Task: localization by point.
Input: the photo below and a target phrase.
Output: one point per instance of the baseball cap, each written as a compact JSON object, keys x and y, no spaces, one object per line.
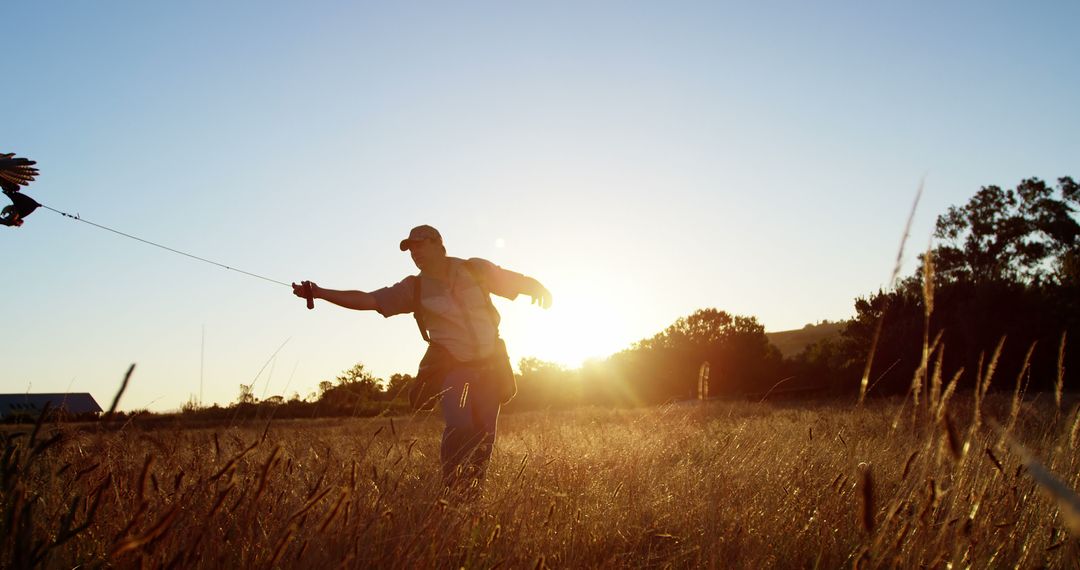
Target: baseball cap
{"x":420,"y":233}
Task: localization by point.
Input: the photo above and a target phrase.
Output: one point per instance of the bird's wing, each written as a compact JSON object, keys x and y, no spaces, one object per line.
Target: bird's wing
{"x":15,"y":172}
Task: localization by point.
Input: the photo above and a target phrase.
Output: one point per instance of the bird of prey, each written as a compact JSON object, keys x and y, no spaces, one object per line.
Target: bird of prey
{"x":16,"y":172}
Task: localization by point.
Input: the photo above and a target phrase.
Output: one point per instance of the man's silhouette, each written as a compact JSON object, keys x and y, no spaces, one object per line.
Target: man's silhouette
{"x":466,"y":361}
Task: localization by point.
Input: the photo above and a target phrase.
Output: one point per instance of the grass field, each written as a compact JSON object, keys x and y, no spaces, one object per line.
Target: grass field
{"x":717,"y":485}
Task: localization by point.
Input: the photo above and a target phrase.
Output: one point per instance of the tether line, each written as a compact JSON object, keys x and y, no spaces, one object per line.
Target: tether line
{"x":166,"y":248}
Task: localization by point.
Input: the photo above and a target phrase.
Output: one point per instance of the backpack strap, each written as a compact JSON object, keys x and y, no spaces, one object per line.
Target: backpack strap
{"x":417,"y":309}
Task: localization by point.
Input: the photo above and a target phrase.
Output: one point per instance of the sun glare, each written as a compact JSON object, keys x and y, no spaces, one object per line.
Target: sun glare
{"x":578,"y":327}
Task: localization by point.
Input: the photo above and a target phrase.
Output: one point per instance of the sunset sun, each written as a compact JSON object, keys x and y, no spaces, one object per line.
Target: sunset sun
{"x":580,"y":325}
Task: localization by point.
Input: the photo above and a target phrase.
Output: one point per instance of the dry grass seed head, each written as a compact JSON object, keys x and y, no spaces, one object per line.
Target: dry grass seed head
{"x":1059,"y":384}
{"x":908,"y":464}
{"x":928,"y":281}
{"x":952,"y":439}
{"x":993,"y":459}
{"x":1018,"y":394}
{"x":866,"y":503}
{"x":934,"y":398}
{"x":992,"y":366}
{"x":1075,"y":431}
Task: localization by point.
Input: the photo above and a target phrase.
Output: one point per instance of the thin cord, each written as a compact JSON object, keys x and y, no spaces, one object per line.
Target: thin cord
{"x":203,"y":259}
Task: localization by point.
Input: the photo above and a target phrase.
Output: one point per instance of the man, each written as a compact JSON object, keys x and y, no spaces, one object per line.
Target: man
{"x":466,"y":360}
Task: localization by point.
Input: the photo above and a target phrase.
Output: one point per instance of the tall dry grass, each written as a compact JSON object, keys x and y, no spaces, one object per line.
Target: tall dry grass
{"x":716,"y":485}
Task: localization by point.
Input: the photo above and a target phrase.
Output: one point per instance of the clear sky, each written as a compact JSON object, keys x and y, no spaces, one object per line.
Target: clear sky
{"x":642,"y":159}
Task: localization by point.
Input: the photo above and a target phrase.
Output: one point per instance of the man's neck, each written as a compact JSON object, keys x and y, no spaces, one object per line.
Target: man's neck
{"x":438,"y":270}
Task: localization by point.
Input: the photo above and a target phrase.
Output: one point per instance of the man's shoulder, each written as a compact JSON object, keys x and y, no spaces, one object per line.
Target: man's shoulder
{"x":478,"y":263}
{"x":404,"y":287}
{"x":474,"y":265}
{"x":397,"y":298}
{"x":469,"y":261}
{"x":407,"y":281}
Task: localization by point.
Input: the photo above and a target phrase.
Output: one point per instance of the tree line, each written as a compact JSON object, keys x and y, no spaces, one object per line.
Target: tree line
{"x":1001,"y":285}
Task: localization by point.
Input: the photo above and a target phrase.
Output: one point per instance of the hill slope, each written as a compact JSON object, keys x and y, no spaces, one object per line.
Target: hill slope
{"x":793,"y":342}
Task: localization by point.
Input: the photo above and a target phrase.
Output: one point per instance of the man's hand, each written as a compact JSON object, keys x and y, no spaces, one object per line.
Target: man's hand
{"x":306,"y":290}
{"x":540,"y":295}
{"x":298,"y":288}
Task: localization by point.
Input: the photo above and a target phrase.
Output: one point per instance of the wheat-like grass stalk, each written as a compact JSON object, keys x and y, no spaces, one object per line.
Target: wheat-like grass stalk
{"x":934,"y":397}
{"x":950,"y":389}
{"x":919,"y":379}
{"x":992,"y":366}
{"x":928,"y":310}
{"x":866,"y":496}
{"x":982,"y":385}
{"x":952,"y":439}
{"x":928,"y":281}
{"x":995,"y":461}
{"x":1074,"y":433}
{"x":1060,"y":383}
{"x":1018,"y":394}
{"x":865,"y":381}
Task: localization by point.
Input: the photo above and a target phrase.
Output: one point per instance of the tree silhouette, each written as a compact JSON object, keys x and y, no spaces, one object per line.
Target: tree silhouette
{"x":397,"y":388}
{"x":702,"y":329}
{"x":1006,"y":266}
{"x":666,"y":366}
{"x":354,"y":390}
{"x":1024,"y":235}
{"x":246,"y":396}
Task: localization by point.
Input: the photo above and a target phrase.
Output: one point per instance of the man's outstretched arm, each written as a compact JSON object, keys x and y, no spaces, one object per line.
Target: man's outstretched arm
{"x":356,"y":300}
{"x":510,"y":284}
{"x":540,"y":295}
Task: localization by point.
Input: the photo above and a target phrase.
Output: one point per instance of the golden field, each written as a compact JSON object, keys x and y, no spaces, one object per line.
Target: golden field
{"x":715,"y":485}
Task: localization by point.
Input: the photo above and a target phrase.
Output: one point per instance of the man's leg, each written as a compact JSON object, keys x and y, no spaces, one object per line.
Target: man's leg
{"x":460,"y":437}
{"x":485,"y":415}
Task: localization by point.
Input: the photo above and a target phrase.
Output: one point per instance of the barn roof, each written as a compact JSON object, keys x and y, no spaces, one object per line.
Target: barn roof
{"x":33,"y":404}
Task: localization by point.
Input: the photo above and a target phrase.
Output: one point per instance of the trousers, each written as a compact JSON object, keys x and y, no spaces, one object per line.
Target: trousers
{"x":470,"y":407}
